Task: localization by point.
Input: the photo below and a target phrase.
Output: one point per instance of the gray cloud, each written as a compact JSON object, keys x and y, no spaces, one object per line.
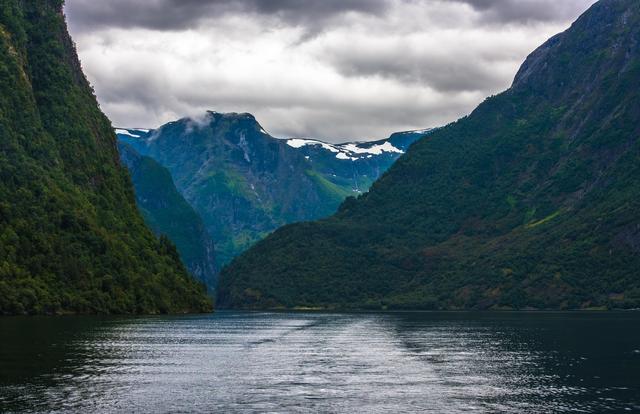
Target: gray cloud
{"x":448,"y":73}
{"x":525,"y":11}
{"x":182,"y":14}
{"x":372,"y":67}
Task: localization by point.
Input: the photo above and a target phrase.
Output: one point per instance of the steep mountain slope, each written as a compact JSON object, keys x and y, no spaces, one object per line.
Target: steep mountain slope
{"x":245,"y":183}
{"x":71,"y":239}
{"x":169,"y":214}
{"x":531,"y":201}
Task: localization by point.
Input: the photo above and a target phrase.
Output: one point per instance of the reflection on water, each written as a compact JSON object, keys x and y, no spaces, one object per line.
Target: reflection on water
{"x":297,"y":362}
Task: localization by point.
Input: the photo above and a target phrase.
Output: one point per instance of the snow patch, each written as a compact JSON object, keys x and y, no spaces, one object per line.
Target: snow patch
{"x":126,"y":132}
{"x":375,"y":150}
{"x":343,"y":156}
{"x":299,"y":143}
{"x":244,"y":145}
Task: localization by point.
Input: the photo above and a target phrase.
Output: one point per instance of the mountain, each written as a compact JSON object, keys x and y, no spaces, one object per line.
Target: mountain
{"x":244,"y":183}
{"x":71,"y":238}
{"x":531,"y":201}
{"x":168,"y":213}
{"x":354,"y":166}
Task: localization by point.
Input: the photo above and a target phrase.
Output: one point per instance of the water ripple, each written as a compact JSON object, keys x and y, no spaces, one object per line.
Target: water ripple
{"x":344,"y":363}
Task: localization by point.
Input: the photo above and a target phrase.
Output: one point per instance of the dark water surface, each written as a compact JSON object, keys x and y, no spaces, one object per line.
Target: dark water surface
{"x":306,"y":362}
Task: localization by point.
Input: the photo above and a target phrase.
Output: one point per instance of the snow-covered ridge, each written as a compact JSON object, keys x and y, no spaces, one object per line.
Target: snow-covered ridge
{"x":350,"y":151}
{"x":132,"y":132}
{"x":375,"y":149}
{"x":299,"y":143}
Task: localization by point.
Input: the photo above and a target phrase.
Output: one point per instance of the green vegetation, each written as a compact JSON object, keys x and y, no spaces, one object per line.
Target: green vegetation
{"x":333,"y":193}
{"x":71,"y":239}
{"x":168,"y":213}
{"x":532,"y":201}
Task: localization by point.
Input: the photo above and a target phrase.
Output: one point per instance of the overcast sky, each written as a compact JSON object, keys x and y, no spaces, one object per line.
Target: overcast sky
{"x":331,"y":69}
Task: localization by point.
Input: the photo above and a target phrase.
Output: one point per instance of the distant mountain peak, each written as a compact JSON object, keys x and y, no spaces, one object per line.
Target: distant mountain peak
{"x":227,"y":116}
{"x":210,"y":120}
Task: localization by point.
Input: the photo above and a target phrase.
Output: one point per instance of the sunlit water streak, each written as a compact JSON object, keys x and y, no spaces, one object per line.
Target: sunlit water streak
{"x":345,"y":363}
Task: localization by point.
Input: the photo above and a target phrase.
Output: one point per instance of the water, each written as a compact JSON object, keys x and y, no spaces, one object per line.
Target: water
{"x":305,"y":362}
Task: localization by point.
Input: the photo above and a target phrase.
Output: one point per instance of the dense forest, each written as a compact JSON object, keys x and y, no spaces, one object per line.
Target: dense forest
{"x":71,"y":238}
{"x":530,"y":202}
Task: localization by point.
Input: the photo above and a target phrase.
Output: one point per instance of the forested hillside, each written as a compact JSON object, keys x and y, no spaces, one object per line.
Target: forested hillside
{"x":71,"y":238}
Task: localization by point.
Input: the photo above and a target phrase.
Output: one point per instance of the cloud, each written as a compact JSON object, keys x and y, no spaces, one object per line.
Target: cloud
{"x":448,"y":62}
{"x":370,"y":67}
{"x":184,"y":14}
{"x":526,"y":11}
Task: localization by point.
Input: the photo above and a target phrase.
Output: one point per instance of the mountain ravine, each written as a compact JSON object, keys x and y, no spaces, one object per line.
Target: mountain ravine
{"x":168,"y":213}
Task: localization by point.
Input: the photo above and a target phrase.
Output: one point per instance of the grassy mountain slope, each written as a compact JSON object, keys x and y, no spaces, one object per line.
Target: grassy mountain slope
{"x":71,"y":239}
{"x":532,"y":201}
{"x":169,"y":214}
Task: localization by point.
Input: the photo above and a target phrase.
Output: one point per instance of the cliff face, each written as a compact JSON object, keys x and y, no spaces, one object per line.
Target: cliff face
{"x":532,"y":201}
{"x":71,"y":239}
